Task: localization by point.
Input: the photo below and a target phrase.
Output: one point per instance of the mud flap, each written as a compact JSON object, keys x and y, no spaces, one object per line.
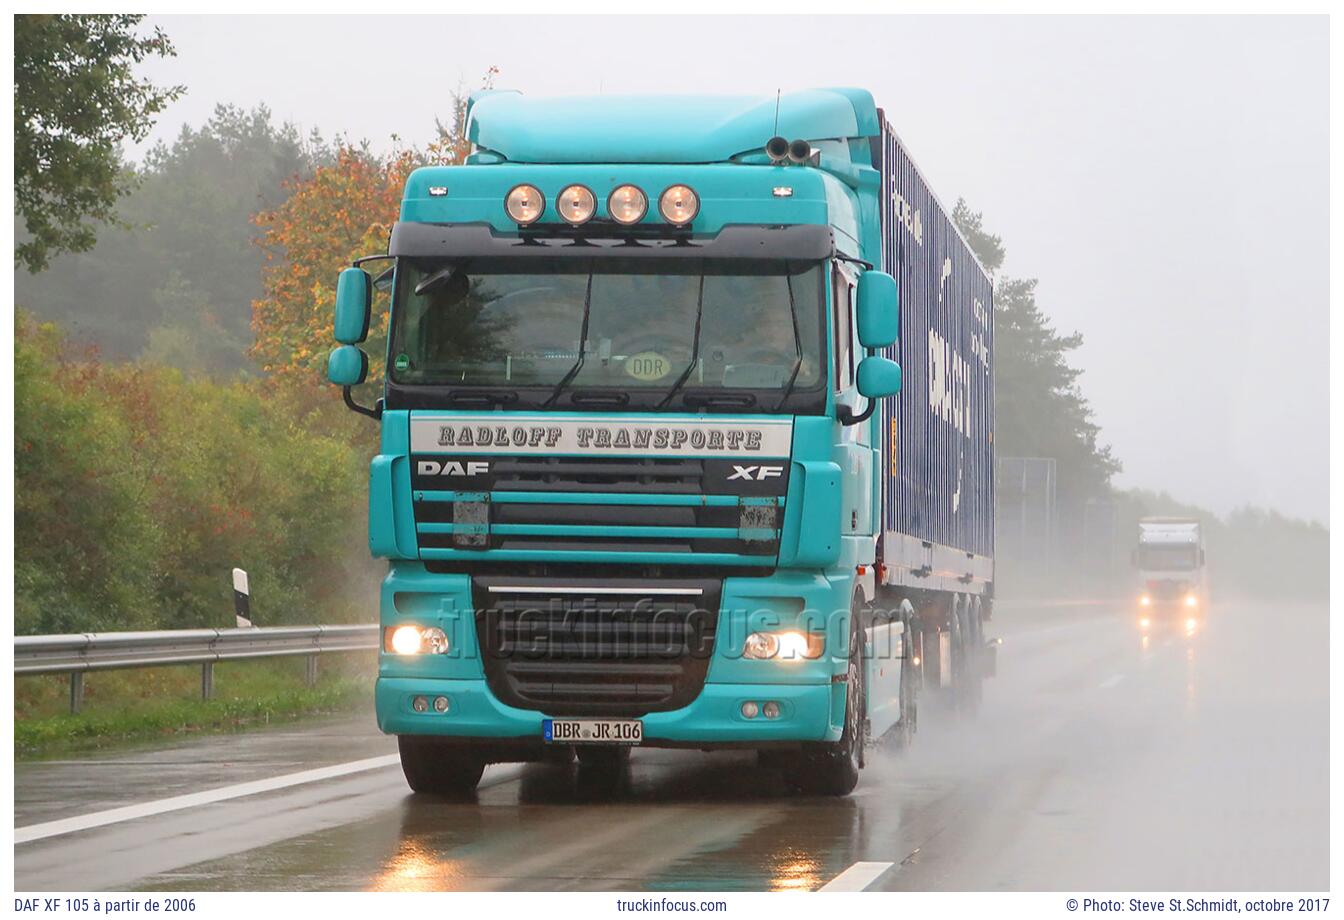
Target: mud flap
{"x":991,"y":657}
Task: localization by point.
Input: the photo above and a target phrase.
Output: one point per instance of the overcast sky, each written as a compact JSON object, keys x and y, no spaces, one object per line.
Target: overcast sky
{"x":1165,"y":178}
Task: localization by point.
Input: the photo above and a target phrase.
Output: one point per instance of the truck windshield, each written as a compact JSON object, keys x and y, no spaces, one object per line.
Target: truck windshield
{"x":1168,"y":558}
{"x":518,"y":323}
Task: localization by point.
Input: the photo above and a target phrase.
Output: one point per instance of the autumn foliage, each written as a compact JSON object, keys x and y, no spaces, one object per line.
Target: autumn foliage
{"x":344,"y":211}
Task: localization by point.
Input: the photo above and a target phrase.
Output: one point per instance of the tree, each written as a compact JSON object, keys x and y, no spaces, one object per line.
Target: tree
{"x":76,"y":100}
{"x":176,"y":279}
{"x":343,"y":211}
{"x":1039,"y":408}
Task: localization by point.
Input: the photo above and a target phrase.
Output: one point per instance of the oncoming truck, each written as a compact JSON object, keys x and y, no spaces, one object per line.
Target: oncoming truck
{"x":686,"y":438}
{"x":1173,"y":584}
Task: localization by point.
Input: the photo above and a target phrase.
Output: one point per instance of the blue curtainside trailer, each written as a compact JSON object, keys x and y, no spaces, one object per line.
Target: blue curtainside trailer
{"x":686,"y":438}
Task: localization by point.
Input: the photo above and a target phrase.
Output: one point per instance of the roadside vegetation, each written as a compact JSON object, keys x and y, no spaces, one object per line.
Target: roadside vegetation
{"x":153,"y":704}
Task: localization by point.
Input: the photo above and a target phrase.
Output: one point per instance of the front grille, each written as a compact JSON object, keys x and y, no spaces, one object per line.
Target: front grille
{"x":618,"y":648}
{"x":582,"y":474}
{"x":597,"y":504}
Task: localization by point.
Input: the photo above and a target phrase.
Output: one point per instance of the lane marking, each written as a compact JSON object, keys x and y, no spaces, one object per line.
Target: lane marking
{"x":857,"y":877}
{"x":176,"y":803}
{"x":1111,"y":681}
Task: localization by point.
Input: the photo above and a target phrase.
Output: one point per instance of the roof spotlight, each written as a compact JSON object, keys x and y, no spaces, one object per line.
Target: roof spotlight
{"x":577,"y":204}
{"x":524,"y":204}
{"x":679,"y":204}
{"x":628,"y":204}
{"x":777,"y":148}
{"x":799,"y":151}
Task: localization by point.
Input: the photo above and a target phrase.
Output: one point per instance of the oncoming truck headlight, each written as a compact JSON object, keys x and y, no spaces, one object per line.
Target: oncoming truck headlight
{"x":792,"y":645}
{"x":409,"y":639}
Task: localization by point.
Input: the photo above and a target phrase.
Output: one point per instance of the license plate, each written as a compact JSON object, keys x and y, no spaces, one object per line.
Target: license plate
{"x":593,"y":731}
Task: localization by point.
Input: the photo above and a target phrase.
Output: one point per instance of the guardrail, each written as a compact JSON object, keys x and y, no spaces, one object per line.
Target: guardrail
{"x":80,"y":653}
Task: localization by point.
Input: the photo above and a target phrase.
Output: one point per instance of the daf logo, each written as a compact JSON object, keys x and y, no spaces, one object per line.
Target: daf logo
{"x":756,"y":473}
{"x":452,"y":468}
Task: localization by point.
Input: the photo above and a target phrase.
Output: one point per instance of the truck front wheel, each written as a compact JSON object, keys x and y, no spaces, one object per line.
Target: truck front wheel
{"x":436,"y":767}
{"x":833,"y":768}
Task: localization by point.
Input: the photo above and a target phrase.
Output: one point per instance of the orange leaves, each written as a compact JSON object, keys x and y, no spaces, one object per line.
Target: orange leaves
{"x":338,"y":214}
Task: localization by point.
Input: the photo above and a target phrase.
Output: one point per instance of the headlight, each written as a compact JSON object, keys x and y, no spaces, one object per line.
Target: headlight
{"x":414,"y":640}
{"x":679,"y":204}
{"x":576,"y":204}
{"x":1191,"y":600}
{"x":525,"y":203}
{"x":628,"y":205}
{"x":787,"y":646}
{"x":1145,"y":601}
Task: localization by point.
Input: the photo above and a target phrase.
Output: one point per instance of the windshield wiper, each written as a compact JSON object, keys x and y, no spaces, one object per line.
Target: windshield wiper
{"x":583,"y":347}
{"x":797,"y":342}
{"x":695,"y":347}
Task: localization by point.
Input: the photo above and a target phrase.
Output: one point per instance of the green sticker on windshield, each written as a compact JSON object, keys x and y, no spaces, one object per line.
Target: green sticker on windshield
{"x":403,"y":361}
{"x":648,"y":365}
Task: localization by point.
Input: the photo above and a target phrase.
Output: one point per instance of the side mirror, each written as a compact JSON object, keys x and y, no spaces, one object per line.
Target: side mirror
{"x":347,"y":366}
{"x":878,"y":377}
{"x":878,"y":310}
{"x":354,"y":303}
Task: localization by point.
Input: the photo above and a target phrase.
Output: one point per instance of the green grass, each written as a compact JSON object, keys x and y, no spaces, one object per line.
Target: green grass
{"x":139,"y":705}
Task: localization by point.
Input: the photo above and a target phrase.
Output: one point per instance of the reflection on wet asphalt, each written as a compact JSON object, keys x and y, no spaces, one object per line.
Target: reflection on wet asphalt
{"x":1101,"y":759}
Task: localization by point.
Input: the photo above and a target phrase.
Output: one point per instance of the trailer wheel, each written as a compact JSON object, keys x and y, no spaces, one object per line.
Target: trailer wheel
{"x":966,"y":658}
{"x":434,"y":767}
{"x":832,"y":768}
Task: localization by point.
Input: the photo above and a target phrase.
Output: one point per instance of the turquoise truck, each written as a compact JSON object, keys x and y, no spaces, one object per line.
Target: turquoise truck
{"x":686,"y":439}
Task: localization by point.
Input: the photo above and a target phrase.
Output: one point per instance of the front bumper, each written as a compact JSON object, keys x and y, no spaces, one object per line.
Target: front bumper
{"x":808,"y":712}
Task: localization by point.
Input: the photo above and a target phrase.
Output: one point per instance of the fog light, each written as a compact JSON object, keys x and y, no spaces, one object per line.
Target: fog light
{"x":440,"y":704}
{"x":679,"y":204}
{"x":576,"y":204}
{"x":525,"y":204}
{"x":628,"y":205}
{"x":420,"y":704}
{"x":749,"y":710}
{"x":771,"y":710}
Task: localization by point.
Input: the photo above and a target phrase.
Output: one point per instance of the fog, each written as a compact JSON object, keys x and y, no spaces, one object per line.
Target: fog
{"x":1166,"y":178}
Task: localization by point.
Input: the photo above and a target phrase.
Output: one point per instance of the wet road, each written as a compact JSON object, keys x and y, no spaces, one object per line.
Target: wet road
{"x":1099,"y":761}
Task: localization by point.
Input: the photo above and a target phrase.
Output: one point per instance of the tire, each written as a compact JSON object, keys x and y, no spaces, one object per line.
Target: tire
{"x":832,"y":768}
{"x":434,"y":767}
{"x":966,"y":676}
